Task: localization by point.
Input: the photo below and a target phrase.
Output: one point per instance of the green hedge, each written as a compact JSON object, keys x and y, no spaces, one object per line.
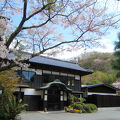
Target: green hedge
{"x":89,"y":108}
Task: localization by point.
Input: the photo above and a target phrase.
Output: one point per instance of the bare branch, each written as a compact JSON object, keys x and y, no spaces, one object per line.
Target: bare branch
{"x":61,"y":43}
{"x":3,"y":6}
{"x":19,"y":28}
{"x":42,"y":24}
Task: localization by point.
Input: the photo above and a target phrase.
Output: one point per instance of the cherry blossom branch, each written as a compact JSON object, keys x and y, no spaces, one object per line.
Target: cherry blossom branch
{"x":19,"y":28}
{"x":61,"y":43}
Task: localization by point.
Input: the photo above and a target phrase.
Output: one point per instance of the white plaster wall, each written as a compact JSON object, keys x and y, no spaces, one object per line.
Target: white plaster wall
{"x":63,"y":74}
{"x":77,"y":77}
{"x":38,"y":72}
{"x":55,"y":73}
{"x":28,"y":91}
{"x":31,"y":92}
{"x":71,"y":75}
{"x":47,"y":71}
{"x":28,"y":69}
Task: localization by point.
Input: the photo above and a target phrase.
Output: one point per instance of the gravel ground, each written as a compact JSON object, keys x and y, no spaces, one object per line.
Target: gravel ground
{"x":102,"y":114}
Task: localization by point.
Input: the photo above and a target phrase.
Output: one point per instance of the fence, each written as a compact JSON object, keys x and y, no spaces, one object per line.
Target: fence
{"x":104,"y":100}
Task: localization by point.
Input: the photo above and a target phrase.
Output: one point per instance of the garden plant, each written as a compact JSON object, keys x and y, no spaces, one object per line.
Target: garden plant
{"x":78,"y":106}
{"x":10,"y":108}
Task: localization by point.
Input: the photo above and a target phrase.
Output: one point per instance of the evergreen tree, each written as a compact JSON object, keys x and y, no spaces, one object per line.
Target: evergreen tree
{"x":116,"y":62}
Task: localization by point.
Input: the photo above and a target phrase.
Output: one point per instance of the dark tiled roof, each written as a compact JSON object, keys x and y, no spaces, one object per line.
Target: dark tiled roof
{"x":58,"y":63}
{"x":55,"y":62}
{"x":97,"y":85}
{"x":90,"y":86}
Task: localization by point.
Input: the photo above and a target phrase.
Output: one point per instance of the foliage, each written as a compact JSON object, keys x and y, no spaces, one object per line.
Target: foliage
{"x":8,"y":80}
{"x":81,"y":100}
{"x":9,"y":106}
{"x":92,"y":82}
{"x":100,"y":63}
{"x":81,"y":108}
{"x":89,"y":108}
{"x":70,"y":109}
{"x":96,"y":61}
{"x":116,"y":62}
{"x":76,"y":106}
{"x":73,"y":99}
{"x":98,"y":77}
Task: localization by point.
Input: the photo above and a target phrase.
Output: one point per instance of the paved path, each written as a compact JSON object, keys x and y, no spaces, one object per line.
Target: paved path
{"x":102,"y":114}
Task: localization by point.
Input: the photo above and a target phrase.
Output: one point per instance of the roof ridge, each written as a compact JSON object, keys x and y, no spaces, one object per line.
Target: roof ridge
{"x":50,"y":58}
{"x":57,"y":59}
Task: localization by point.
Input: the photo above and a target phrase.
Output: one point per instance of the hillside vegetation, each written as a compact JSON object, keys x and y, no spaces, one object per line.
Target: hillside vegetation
{"x":100,"y":63}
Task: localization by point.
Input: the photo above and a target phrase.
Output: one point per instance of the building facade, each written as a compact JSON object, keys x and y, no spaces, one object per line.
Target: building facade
{"x":48,"y":82}
{"x":102,"y":95}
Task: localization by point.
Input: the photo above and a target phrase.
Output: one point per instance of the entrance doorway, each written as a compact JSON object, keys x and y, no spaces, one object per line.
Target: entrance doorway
{"x":54,"y":98}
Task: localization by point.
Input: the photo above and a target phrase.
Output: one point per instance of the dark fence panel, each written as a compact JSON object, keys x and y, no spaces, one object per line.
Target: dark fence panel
{"x":104,"y":100}
{"x":34,"y":102}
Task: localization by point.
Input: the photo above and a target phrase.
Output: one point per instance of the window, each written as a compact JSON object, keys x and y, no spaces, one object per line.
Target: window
{"x":61,"y":96}
{"x":72,"y":82}
{"x":0,"y":91}
{"x":28,"y":75}
{"x":65,"y":96}
{"x":68,"y":82}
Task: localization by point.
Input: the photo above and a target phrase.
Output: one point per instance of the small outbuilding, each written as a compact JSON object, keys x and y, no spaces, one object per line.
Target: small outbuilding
{"x":103,"y":95}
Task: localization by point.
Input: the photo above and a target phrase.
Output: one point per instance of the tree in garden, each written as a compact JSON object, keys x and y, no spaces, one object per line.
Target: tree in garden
{"x":116,"y":62}
{"x":96,"y":61}
{"x":9,"y":107}
{"x":8,"y":80}
{"x":98,"y":77}
{"x":100,"y":63}
{"x":42,"y":25}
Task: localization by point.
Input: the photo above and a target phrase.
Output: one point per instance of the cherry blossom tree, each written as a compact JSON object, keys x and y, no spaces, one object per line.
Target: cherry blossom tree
{"x":42,"y":25}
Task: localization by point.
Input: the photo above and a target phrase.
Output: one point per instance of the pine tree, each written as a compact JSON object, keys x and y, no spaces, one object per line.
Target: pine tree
{"x":116,"y":62}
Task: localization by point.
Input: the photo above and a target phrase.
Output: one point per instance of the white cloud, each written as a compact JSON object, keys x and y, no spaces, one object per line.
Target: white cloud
{"x":107,"y":46}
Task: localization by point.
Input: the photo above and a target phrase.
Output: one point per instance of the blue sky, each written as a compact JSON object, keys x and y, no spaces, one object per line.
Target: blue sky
{"x":107,"y":40}
{"x":107,"y":43}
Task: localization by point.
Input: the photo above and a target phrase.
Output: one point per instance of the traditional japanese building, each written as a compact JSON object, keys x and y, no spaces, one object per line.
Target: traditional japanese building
{"x":102,"y":95}
{"x":48,"y":82}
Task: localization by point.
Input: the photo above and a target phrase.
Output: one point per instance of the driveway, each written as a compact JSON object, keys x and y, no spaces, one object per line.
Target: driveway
{"x":102,"y":114}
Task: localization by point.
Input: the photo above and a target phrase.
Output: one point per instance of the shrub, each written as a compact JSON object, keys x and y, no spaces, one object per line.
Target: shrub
{"x":9,"y":107}
{"x":89,"y":108}
{"x":77,"y":106}
{"x":81,"y":100}
{"x":92,"y":82}
{"x":81,"y":108}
